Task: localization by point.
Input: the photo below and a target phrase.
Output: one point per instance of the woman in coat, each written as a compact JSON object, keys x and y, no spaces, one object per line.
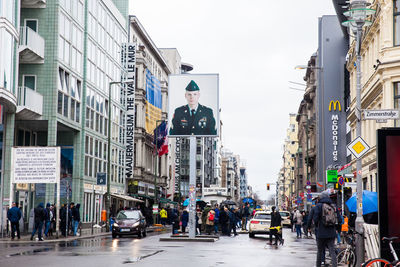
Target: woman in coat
{"x":298,"y":218}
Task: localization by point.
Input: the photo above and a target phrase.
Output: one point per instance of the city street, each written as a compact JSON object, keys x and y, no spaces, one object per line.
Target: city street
{"x":105,"y":251}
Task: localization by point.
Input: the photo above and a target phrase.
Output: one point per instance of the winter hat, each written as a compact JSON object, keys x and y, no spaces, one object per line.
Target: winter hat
{"x":324,"y":194}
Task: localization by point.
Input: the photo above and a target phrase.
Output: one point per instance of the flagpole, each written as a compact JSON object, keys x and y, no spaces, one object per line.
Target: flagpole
{"x":157,"y":158}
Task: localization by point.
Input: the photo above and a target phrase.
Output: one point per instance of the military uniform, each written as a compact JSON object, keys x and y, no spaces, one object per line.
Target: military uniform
{"x":202,"y":122}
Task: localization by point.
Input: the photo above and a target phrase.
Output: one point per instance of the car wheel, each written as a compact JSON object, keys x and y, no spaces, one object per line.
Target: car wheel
{"x":251,"y":235}
{"x":144,"y":233}
{"x":114,"y":235}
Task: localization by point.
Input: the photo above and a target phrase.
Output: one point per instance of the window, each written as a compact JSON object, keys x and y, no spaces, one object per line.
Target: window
{"x":396,"y":22}
{"x":30,"y":81}
{"x":32,"y":23}
{"x":396,"y":101}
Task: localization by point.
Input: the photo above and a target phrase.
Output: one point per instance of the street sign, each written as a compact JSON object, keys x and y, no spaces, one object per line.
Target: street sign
{"x":331,"y":176}
{"x":358,"y":147}
{"x":308,"y":187}
{"x":352,"y":185}
{"x":381,"y":114}
{"x":101,"y":178}
{"x":308,"y":182}
{"x":341,"y":180}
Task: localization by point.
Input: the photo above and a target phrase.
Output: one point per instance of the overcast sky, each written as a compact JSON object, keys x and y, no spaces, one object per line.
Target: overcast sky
{"x":254,"y":46}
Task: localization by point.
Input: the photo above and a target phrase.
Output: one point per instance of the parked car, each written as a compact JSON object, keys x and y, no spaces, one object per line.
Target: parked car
{"x":285,"y":215}
{"x":129,"y":222}
{"x":260,"y":223}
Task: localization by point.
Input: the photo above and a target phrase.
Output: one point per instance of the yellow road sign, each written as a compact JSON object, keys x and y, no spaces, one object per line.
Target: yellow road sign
{"x":358,"y":147}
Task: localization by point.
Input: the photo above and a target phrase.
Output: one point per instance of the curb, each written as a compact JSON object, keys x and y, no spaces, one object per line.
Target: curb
{"x":186,"y":239}
{"x":51,"y":240}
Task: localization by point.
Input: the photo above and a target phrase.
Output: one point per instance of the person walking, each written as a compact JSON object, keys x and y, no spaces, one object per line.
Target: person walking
{"x":238,"y":218}
{"x":14,"y":215}
{"x":275,"y":227}
{"x":216,"y":219}
{"x":326,"y":217}
{"x":76,"y":218}
{"x":199,"y":221}
{"x":163,"y":216}
{"x":232,"y":222}
{"x":210,"y":221}
{"x":49,"y":217}
{"x":40,"y":217}
{"x":184,"y":220}
{"x":304,"y":224}
{"x":298,"y":220}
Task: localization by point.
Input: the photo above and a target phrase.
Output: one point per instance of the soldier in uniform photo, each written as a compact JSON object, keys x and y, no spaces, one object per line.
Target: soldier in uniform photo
{"x":193,"y":118}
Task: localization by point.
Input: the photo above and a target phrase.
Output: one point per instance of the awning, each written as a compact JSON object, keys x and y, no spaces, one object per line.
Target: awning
{"x":127,"y":198}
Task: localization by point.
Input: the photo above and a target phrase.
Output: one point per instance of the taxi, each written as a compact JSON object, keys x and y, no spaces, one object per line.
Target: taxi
{"x":260,"y":223}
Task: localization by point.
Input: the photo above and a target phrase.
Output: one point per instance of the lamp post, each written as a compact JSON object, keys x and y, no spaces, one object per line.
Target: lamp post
{"x":357,"y":15}
{"x":108,"y":198}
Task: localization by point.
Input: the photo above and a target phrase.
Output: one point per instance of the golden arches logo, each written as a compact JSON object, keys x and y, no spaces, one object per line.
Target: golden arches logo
{"x":336,"y":105}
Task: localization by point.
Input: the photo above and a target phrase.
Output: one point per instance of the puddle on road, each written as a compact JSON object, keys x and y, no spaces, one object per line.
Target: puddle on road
{"x":29,"y":252}
{"x":136,"y":259}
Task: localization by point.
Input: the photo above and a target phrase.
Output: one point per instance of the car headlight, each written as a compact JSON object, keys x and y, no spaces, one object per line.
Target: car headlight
{"x":115,"y":225}
{"x":136,"y":224}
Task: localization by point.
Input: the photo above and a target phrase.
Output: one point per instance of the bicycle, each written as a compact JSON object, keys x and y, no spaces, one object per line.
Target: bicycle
{"x":380,"y":262}
{"x":348,"y":256}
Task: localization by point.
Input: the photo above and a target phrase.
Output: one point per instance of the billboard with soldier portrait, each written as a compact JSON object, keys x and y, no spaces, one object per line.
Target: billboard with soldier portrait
{"x":193,"y":105}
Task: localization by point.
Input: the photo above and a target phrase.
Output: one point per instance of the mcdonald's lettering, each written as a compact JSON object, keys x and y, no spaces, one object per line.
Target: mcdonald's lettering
{"x":336,"y":105}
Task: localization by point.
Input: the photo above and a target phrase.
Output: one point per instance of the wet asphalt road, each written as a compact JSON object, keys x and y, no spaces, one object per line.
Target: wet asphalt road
{"x":131,"y":251}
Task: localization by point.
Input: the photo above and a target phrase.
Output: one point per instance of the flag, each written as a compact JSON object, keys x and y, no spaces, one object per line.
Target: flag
{"x":161,"y":139}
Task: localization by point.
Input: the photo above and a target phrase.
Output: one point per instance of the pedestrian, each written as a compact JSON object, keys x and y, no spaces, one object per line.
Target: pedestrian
{"x":70,"y":228}
{"x":174,"y":220}
{"x":184,"y":220}
{"x":245,"y":216}
{"x":298,"y":220}
{"x":40,"y":217}
{"x":48,"y":219}
{"x":232,"y":222}
{"x":292,"y":224}
{"x":304,"y":224}
{"x":326,"y":217}
{"x":63,"y":220}
{"x":224,"y":220}
{"x":163,"y":216}
{"x":53,"y":220}
{"x":204,"y":216}
{"x":199,"y":222}
{"x":275,"y":227}
{"x":216,"y":219}
{"x":14,"y":215}
{"x":238,"y":218}
{"x":210,"y":221}
{"x":76,"y":218}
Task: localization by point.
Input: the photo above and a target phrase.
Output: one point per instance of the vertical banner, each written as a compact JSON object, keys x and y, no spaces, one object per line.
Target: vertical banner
{"x":128,"y":59}
{"x":153,"y":102}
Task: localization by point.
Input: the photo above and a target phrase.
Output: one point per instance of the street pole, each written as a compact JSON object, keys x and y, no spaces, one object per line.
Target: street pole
{"x":192,"y":188}
{"x":359,"y":219}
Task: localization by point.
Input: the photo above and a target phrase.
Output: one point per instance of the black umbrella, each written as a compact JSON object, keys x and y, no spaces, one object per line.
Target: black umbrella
{"x":201,"y":203}
{"x":228,"y":202}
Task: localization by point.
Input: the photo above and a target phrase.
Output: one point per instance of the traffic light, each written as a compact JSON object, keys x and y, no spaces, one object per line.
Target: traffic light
{"x":268,"y":187}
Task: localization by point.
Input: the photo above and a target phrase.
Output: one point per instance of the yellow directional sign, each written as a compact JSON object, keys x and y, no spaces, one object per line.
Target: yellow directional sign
{"x":358,"y":147}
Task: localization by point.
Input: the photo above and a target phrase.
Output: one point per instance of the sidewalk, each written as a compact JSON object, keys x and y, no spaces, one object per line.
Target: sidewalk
{"x":86,"y":233}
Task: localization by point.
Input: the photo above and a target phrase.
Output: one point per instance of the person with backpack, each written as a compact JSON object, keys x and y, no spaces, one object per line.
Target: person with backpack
{"x":275,"y":227}
{"x":210,"y":221}
{"x":326,"y":218}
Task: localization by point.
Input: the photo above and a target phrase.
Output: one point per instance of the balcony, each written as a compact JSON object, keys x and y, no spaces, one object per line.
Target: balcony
{"x":33,"y":3}
{"x":29,"y":104}
{"x":31,"y":47}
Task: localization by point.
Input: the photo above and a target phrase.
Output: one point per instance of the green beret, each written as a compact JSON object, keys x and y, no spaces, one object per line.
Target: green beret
{"x":192,"y":86}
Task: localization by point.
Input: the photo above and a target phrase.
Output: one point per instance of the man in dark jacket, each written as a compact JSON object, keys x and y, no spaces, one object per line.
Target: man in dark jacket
{"x":276,"y":223}
{"x":232,"y":222}
{"x":40,"y":217}
{"x":325,"y":234}
{"x":63,"y":218}
{"x":245,"y":216}
{"x":48,"y":219}
{"x":224,"y":220}
{"x":14,"y":215}
{"x":76,"y":218}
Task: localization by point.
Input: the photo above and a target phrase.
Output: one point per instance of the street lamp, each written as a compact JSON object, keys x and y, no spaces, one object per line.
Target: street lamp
{"x":108,"y":198}
{"x":357,"y":15}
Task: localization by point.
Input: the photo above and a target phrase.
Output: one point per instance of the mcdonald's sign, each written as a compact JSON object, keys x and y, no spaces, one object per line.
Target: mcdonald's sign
{"x":336,"y":105}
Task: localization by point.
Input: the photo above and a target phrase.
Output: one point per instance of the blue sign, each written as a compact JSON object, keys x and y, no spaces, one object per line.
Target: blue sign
{"x":341,"y":180}
{"x":101,"y":178}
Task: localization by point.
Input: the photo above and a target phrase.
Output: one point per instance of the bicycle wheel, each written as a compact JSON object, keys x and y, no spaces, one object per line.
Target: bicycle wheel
{"x":346,"y":256}
{"x":378,"y":262}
